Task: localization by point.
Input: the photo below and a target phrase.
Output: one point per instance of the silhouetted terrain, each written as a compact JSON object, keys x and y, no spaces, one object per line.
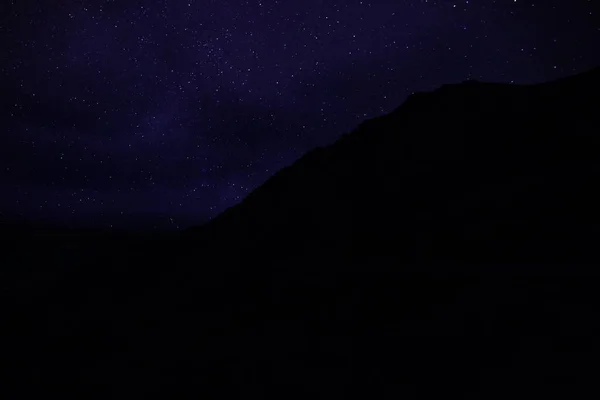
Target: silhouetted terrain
{"x":446,"y":249}
{"x":470,"y":172}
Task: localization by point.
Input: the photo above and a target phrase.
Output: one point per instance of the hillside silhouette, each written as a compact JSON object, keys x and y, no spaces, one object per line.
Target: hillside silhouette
{"x":472,"y":172}
{"x":445,"y":249}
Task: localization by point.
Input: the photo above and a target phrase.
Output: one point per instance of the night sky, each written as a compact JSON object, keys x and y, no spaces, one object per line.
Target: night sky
{"x":164,"y":113}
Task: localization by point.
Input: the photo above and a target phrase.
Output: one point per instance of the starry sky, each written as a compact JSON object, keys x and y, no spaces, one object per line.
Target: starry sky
{"x":161,"y":114}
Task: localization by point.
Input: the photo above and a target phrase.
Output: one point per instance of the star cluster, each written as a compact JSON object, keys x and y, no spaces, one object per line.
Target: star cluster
{"x":164,"y":113}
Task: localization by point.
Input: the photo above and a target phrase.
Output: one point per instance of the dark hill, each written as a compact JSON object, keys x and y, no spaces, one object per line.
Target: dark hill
{"x":475,"y":172}
{"x":442,"y":250}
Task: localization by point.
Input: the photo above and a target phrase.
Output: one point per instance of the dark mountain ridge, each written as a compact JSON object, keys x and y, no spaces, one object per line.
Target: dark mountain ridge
{"x":470,"y":172}
{"x":439,"y":250}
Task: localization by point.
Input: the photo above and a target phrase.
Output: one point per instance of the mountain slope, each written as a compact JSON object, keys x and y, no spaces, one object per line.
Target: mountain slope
{"x":469,"y":172}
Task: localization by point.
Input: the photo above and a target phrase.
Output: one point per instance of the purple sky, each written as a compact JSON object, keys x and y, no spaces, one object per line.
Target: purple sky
{"x":167,"y":112}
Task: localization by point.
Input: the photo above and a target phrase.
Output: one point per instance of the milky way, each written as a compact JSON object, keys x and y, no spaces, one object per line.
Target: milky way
{"x":156,"y":113}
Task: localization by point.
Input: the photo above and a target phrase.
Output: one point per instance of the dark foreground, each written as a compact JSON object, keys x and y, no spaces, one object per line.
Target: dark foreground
{"x":118,"y":326}
{"x":448,"y":249}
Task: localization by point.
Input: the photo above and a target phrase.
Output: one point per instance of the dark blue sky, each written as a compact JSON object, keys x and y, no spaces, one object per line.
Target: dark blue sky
{"x":164,"y":113}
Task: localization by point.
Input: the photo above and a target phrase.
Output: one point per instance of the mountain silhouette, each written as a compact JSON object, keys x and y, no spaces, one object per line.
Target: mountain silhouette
{"x":444,"y":249}
{"x":472,"y":172}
